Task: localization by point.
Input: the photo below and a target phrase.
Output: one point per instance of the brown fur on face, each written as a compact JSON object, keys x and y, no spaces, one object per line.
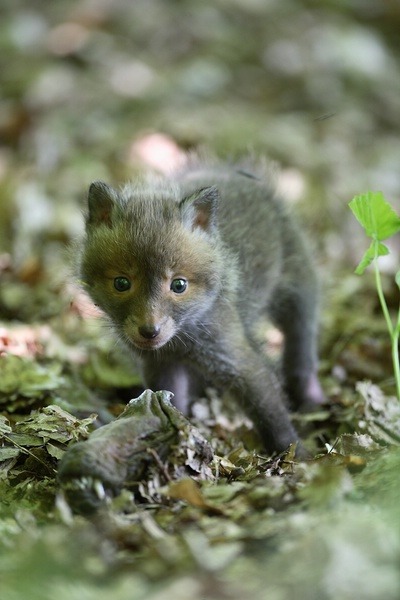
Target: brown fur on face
{"x":151,"y":243}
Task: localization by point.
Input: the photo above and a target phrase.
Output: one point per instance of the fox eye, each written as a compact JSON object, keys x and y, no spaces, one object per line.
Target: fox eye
{"x":122,"y":284}
{"x":178,"y":286}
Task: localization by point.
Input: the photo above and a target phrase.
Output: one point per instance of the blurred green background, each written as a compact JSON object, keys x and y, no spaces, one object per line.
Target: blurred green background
{"x":84,"y":86}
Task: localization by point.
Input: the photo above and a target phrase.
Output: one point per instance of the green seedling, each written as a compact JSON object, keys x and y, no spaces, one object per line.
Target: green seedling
{"x":380,"y":222}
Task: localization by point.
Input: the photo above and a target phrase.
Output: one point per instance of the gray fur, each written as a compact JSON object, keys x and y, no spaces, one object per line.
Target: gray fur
{"x":223,"y":229}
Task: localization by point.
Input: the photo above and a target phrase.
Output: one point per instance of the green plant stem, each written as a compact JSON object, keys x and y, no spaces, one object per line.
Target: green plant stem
{"x":395,"y":353}
{"x":382,"y":300}
{"x":394,"y":331}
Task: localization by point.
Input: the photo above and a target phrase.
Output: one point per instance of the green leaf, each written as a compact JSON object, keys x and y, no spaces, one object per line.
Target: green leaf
{"x":397,"y":279}
{"x":376,"y":249}
{"x":22,"y":376}
{"x":375,"y":215}
{"x":6,"y":453}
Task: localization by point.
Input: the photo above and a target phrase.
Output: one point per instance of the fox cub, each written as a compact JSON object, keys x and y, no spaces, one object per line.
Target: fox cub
{"x":186,"y":268}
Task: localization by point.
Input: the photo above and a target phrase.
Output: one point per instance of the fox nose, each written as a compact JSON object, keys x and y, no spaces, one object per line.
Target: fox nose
{"x":149,"y":331}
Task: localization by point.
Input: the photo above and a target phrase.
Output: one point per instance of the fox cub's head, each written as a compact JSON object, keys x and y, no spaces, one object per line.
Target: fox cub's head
{"x":151,"y":259}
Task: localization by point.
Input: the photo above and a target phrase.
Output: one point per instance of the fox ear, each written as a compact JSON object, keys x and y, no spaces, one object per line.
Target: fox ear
{"x":199,"y":210}
{"x":101,"y":199}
